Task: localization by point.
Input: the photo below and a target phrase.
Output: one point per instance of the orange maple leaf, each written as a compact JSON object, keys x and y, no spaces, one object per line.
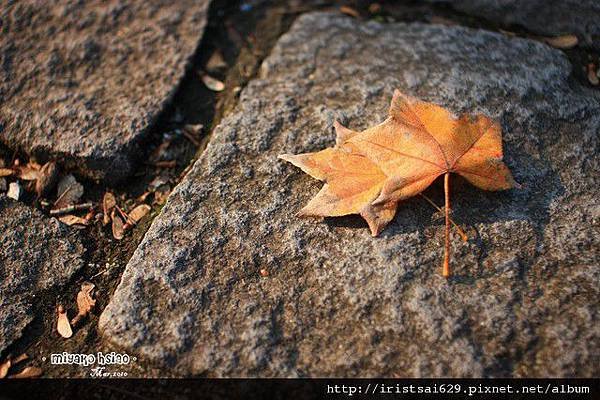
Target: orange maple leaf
{"x":369,"y":172}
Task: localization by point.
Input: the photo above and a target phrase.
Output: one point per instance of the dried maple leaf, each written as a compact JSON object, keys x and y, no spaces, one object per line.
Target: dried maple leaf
{"x":369,"y":172}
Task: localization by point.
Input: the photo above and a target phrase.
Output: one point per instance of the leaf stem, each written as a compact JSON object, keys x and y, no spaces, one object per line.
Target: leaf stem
{"x":446,"y":267}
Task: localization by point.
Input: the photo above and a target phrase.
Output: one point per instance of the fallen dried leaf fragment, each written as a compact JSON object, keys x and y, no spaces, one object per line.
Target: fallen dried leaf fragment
{"x":20,"y":358}
{"x":123,"y":214}
{"x":62,"y":325}
{"x":592,"y":75}
{"x":85,"y":302}
{"x":438,"y":20}
{"x":69,"y":191}
{"x":136,"y":215}
{"x":562,"y":42}
{"x":166,"y":164}
{"x":194,"y":129}
{"x":216,"y":62}
{"x":27,"y":173}
{"x":192,"y":133}
{"x":28,"y":372}
{"x":349,"y":11}
{"x":369,"y":172}
{"x":161,"y":194}
{"x":73,"y":220}
{"x":47,"y":179}
{"x":117,"y":225}
{"x":212,"y":83}
{"x":91,"y":214}
{"x":508,"y":33}
{"x":4,"y":367}
{"x":108,"y":204}
{"x":374,"y":8}
{"x":9,"y":363}
{"x":6,"y":172}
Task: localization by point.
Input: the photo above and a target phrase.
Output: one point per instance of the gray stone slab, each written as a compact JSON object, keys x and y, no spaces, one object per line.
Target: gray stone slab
{"x":37,"y":253}
{"x":83,"y":81}
{"x":338,"y":302}
{"x":543,"y":17}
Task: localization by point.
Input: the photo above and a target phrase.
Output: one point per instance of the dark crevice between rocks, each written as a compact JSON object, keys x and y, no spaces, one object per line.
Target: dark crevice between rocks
{"x":245,"y":39}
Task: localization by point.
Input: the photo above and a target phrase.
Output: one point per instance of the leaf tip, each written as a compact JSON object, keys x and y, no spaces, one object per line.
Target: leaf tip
{"x":342,"y":133}
{"x":397,"y":94}
{"x":286,"y":157}
{"x":398,"y":98}
{"x":375,"y":231}
{"x":304,"y":213}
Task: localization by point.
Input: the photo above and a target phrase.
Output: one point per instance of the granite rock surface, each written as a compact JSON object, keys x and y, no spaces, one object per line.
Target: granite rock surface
{"x":229,"y":282}
{"x":37,"y":254}
{"x":550,"y":18}
{"x":83,"y":82}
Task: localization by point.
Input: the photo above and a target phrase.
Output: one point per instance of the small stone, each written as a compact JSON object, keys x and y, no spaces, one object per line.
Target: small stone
{"x":14,"y":190}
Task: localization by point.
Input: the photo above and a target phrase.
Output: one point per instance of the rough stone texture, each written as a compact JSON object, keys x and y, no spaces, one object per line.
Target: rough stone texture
{"x":544,"y":17}
{"x":37,"y":253}
{"x":337,"y":302}
{"x":85,"y":80}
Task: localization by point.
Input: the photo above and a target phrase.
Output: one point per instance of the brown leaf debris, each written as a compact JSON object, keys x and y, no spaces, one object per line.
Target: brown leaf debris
{"x":85,"y":302}
{"x":28,"y":372}
{"x":117,"y":225}
{"x":69,"y":192}
{"x":62,"y":325}
{"x":47,"y":178}
{"x":108,"y":204}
